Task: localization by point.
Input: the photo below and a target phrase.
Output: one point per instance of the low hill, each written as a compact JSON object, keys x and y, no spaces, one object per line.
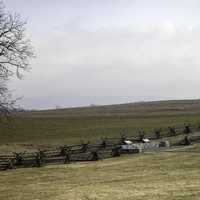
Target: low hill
{"x":130,"y":109}
{"x":66,"y":126}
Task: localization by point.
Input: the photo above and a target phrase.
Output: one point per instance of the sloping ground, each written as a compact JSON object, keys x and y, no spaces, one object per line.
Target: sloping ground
{"x":105,"y":149}
{"x":41,"y":129}
{"x":165,"y":175}
{"x":131,"y":109}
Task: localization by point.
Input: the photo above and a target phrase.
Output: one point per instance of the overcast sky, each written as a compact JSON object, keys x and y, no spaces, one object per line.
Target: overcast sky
{"x":109,"y":51}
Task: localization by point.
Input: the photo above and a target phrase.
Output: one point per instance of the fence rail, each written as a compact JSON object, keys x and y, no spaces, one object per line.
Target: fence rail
{"x":106,"y":148}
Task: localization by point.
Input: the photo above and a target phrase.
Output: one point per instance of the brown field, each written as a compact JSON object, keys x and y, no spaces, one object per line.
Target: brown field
{"x":157,"y":175}
{"x":164,"y":175}
{"x":32,"y":130}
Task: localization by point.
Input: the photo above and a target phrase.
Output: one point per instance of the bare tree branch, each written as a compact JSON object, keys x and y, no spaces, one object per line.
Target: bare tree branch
{"x":15,"y":53}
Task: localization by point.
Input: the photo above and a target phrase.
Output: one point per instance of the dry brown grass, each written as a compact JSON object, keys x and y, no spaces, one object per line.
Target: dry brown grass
{"x":165,"y":175}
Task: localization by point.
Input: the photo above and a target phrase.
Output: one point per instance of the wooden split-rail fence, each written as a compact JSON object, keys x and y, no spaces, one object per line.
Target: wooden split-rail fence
{"x":106,"y":148}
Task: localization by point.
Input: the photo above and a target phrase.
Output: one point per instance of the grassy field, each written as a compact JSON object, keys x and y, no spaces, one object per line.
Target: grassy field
{"x":164,"y":175}
{"x":66,"y":126}
{"x":159,"y":175}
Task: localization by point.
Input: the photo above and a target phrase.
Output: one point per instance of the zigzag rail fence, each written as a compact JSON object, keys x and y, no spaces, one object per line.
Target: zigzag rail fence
{"x":108,"y":147}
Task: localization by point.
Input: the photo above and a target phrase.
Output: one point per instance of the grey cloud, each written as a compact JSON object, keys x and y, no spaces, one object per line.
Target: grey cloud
{"x":111,"y":52}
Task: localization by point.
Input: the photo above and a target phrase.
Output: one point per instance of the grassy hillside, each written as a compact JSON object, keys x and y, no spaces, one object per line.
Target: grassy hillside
{"x":171,"y":175}
{"x":164,"y":175}
{"x":64,"y":126}
{"x":132,"y":109}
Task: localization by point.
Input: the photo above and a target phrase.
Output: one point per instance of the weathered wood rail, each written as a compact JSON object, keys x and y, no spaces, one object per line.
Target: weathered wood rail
{"x":106,"y":148}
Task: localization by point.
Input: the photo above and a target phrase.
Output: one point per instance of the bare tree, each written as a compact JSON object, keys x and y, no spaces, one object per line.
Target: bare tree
{"x":15,"y":52}
{"x":6,"y":103}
